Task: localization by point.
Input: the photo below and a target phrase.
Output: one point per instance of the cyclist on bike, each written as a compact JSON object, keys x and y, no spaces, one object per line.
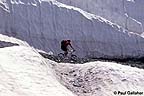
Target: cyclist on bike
{"x":64,"y":46}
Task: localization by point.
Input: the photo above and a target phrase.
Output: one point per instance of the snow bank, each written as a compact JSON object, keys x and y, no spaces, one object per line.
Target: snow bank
{"x":101,"y":78}
{"x":116,"y":11}
{"x":43,"y":24}
{"x":4,"y":5}
{"x":23,"y":72}
{"x":135,"y":10}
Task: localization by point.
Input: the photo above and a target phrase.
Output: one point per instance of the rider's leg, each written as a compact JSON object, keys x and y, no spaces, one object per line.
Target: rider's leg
{"x":64,"y":48}
{"x":65,"y":53}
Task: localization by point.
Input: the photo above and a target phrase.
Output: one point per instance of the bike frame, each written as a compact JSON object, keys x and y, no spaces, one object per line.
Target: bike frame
{"x":71,"y":52}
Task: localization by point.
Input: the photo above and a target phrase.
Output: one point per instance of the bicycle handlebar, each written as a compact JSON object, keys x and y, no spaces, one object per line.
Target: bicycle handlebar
{"x":72,"y":51}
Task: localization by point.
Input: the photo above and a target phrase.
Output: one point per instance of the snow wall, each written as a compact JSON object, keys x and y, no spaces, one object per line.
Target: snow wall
{"x":122,"y":12}
{"x":43,"y":24}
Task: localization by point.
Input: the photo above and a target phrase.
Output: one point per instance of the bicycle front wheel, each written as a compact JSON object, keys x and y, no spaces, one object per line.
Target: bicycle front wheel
{"x":74,"y":58}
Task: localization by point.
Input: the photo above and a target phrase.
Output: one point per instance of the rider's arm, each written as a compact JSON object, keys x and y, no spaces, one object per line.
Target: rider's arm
{"x":71,"y":46}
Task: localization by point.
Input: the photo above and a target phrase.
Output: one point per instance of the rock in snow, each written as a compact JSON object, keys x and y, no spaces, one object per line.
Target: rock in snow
{"x":44,"y":23}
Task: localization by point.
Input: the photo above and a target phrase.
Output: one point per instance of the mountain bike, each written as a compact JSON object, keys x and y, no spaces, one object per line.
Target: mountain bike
{"x":70,"y":58}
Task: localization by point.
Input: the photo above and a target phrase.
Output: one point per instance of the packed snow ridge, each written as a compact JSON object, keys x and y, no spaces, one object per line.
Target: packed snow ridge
{"x":25,"y":73}
{"x":100,"y":78}
{"x":44,"y":23}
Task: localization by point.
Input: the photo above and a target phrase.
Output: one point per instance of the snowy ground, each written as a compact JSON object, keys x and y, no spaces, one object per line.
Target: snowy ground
{"x":100,"y":78}
{"x":25,"y":73}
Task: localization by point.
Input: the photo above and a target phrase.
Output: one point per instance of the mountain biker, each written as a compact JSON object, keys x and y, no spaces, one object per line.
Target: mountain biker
{"x":64,"y":46}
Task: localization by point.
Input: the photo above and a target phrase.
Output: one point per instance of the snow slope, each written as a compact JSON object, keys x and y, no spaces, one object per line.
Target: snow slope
{"x":101,"y":78}
{"x":44,"y":23}
{"x":23,"y":72}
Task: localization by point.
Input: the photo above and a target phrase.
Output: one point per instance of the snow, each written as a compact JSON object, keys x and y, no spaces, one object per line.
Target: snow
{"x":131,"y":0}
{"x":113,"y":10}
{"x":4,"y":5}
{"x":25,"y":73}
{"x":113,"y":31}
{"x":43,"y":24}
{"x":135,"y":10}
{"x":100,"y":78}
